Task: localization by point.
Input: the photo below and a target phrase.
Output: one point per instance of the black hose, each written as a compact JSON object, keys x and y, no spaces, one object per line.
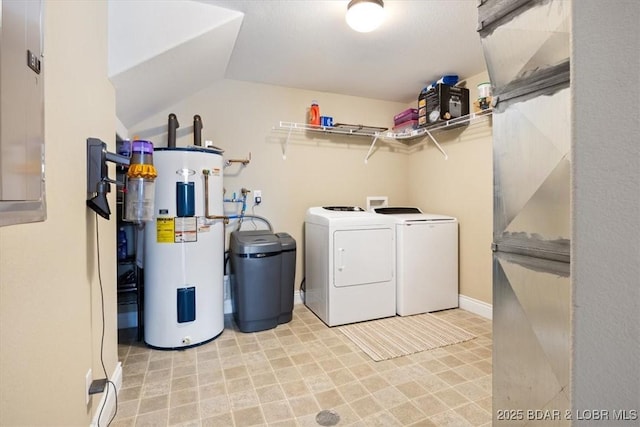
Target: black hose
{"x":227,"y":256}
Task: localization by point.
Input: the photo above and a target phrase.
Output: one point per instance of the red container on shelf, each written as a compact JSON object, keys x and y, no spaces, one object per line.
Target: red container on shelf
{"x":314,"y":113}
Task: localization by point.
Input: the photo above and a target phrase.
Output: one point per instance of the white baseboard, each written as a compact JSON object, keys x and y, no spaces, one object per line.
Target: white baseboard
{"x":107,"y":405}
{"x":473,"y":305}
{"x":478,"y":307}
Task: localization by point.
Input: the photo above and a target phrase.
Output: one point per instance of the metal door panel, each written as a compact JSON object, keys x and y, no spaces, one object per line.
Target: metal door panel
{"x":521,"y":38}
{"x":531,"y":173}
{"x":363,"y":256}
{"x":531,"y":340}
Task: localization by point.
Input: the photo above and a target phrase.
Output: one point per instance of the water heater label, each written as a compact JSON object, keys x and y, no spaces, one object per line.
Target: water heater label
{"x":186,"y":230}
{"x":165,"y":230}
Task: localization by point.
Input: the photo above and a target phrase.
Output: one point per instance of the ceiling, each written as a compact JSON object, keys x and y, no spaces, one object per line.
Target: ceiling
{"x":161,"y":52}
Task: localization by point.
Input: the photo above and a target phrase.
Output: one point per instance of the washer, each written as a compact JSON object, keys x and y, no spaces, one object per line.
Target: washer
{"x":426,"y":260}
{"x":349,"y":264}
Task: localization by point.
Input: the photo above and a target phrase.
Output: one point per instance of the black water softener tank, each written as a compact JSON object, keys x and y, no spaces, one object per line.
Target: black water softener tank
{"x":255,"y":279}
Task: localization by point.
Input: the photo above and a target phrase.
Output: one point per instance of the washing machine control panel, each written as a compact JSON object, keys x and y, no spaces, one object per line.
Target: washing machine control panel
{"x":344,"y":208}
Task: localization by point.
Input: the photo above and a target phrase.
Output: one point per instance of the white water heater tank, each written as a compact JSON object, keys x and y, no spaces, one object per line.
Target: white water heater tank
{"x":184,"y":251}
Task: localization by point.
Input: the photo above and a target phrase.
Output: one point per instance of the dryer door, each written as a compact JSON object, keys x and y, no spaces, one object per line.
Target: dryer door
{"x":362,"y":256}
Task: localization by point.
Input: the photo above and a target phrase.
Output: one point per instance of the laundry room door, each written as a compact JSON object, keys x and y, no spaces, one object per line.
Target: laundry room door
{"x":362,"y":256}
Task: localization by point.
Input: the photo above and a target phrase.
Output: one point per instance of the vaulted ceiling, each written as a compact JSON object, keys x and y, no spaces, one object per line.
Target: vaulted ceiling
{"x":163,"y":51}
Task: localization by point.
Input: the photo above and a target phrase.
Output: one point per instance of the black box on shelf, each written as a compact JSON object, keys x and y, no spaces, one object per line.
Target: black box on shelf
{"x":442,"y":102}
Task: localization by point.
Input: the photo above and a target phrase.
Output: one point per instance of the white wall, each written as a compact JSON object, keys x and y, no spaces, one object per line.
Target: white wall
{"x":461,"y":186}
{"x":50,"y":318}
{"x":319,"y":170}
{"x":606,"y":207}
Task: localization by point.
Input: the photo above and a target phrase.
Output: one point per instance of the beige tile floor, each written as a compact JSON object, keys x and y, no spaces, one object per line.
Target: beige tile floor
{"x":285,"y":376}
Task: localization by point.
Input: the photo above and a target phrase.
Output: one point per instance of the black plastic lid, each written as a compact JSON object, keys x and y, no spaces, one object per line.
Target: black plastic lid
{"x":344,"y":208}
{"x":248,"y":242}
{"x":397,"y":211}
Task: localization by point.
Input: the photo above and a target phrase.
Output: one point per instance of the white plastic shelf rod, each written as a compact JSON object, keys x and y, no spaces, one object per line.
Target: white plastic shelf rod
{"x":366,"y":158}
{"x":436,"y":143}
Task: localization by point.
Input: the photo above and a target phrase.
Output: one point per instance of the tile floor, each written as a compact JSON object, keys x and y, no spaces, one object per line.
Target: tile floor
{"x":285,"y":376}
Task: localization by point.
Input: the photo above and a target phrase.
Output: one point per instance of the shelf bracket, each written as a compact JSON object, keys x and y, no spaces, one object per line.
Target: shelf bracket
{"x":436,"y":143}
{"x":286,"y":143}
{"x":366,"y":158}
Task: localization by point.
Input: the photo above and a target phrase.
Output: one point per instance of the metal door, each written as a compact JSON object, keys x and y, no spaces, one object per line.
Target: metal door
{"x":531,"y":341}
{"x":527,"y":47}
{"x":531,"y":141}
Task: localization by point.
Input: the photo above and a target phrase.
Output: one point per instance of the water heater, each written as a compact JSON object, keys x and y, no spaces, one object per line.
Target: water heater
{"x":184,"y":250}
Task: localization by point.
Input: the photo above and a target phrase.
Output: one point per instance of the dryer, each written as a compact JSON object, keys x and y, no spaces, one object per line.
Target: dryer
{"x":349,"y":264}
{"x":427,"y":260}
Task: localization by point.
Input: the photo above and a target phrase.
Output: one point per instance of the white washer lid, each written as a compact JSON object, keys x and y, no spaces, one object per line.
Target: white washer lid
{"x":413,"y":214}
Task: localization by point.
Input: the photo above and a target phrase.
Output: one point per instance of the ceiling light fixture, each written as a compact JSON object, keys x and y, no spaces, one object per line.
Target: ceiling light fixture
{"x":365,"y":15}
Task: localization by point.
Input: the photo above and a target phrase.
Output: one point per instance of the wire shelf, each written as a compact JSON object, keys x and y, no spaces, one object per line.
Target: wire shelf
{"x":383,"y":133}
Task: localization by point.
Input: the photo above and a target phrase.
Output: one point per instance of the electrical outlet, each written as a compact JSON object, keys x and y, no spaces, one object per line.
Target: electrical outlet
{"x":257,"y":196}
{"x":88,"y":380}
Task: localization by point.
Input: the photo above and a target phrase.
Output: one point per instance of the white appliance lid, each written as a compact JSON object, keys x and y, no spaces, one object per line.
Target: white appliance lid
{"x":413,"y":214}
{"x":323,"y":216}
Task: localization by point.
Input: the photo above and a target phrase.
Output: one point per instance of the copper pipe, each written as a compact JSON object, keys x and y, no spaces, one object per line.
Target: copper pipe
{"x":244,"y":162}
{"x":205,"y":172}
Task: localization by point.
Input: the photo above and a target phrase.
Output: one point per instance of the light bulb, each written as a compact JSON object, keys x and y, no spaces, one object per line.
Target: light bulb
{"x":365,"y":15}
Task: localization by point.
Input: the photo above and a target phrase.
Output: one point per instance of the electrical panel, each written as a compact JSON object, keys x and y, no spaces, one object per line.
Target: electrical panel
{"x":22,"y":196}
